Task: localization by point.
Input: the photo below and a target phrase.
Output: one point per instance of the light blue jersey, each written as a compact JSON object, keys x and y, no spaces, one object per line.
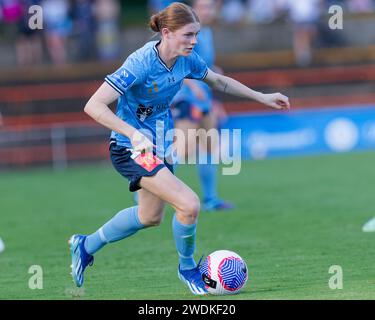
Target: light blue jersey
{"x":147,"y":87}
{"x":205,"y":49}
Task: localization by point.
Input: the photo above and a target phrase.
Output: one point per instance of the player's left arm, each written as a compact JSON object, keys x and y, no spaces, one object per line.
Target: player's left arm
{"x":233,"y":87}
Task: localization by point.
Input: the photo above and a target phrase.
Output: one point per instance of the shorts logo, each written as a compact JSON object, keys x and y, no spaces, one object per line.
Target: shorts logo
{"x":148,"y":161}
{"x":143,"y":112}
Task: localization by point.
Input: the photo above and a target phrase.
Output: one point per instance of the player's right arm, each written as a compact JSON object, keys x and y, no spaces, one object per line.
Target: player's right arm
{"x":233,"y":87}
{"x":98,"y":109}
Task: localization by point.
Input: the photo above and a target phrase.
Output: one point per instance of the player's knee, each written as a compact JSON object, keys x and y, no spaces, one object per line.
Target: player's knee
{"x":191,"y":207}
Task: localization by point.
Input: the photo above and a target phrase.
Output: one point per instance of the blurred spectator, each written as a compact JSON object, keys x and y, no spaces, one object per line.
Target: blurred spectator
{"x":155,"y":6}
{"x":232,"y":11}
{"x":107,"y":13}
{"x":58,"y":26}
{"x":11,"y":11}
{"x":84,"y":28}
{"x":328,"y":37}
{"x":328,"y":3}
{"x":29,"y":45}
{"x":261,"y":11}
{"x":305,"y":18}
{"x":28,"y":42}
{"x":361,"y":6}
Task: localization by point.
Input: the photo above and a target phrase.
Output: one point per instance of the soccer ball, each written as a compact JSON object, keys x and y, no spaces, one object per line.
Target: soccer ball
{"x":224,"y":272}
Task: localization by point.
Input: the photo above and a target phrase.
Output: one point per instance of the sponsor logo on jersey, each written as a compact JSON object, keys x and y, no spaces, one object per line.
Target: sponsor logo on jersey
{"x":126,"y":78}
{"x":144,"y":112}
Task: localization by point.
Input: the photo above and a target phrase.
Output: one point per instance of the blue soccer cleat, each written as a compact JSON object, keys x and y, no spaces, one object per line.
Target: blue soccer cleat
{"x":217,"y":205}
{"x":193,"y":279}
{"x":80,"y":258}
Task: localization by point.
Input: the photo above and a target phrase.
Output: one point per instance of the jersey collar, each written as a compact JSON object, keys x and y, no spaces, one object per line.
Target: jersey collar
{"x":160,"y":59}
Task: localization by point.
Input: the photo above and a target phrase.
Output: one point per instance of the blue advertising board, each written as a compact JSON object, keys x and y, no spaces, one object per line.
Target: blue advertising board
{"x":303,"y":132}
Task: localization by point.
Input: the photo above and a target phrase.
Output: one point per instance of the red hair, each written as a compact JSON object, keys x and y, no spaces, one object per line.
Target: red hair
{"x":173,"y":17}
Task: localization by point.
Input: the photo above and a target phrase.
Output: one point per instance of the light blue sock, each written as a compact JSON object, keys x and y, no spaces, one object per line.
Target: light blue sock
{"x":207,"y":177}
{"x":135,"y":197}
{"x":122,"y":225}
{"x":184,"y":236}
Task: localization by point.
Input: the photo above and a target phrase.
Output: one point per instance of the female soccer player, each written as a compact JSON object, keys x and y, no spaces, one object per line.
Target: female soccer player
{"x":192,"y":108}
{"x":144,"y":86}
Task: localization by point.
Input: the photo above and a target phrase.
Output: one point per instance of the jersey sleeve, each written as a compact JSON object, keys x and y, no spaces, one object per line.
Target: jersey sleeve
{"x":198,"y":67}
{"x":129,"y":74}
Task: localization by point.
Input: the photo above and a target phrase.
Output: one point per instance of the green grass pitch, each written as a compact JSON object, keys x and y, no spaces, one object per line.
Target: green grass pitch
{"x":294,"y":219}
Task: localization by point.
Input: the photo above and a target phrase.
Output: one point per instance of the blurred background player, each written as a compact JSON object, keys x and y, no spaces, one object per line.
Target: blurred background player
{"x":151,"y":77}
{"x":193,"y":108}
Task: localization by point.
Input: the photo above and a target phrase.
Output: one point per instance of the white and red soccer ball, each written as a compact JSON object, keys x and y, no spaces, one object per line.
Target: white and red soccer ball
{"x":224,"y":272}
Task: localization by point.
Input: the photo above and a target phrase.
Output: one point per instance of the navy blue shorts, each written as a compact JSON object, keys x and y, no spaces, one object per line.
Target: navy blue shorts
{"x":135,"y":169}
{"x":186,"y":110}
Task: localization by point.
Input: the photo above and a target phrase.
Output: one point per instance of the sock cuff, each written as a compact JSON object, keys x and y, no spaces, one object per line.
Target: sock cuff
{"x":185,"y":227}
{"x":136,"y":217}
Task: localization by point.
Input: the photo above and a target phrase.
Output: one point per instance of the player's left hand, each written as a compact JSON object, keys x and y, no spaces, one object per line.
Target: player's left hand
{"x":276,"y":100}
{"x":140,"y":143}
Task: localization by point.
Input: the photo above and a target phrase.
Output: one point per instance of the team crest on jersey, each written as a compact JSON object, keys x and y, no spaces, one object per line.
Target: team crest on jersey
{"x":144,"y":112}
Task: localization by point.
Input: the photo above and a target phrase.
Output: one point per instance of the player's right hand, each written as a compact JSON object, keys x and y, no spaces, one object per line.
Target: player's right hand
{"x":141,"y":143}
{"x":276,"y":100}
